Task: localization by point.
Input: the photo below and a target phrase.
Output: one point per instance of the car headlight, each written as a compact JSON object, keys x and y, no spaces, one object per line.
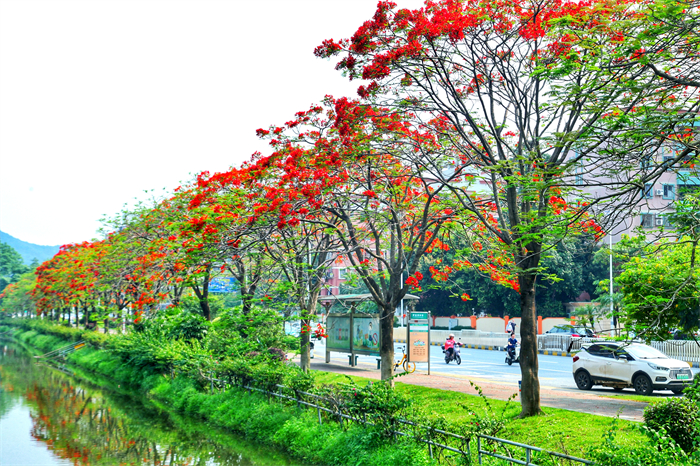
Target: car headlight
{"x":657,"y":368}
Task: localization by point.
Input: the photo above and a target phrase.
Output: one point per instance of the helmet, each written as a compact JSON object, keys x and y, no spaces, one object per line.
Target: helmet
{"x":452,"y":335}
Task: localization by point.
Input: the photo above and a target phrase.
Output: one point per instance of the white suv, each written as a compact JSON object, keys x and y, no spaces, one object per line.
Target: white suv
{"x":620,"y":365}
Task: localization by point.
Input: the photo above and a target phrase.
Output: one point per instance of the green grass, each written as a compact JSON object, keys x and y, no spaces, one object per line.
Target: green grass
{"x":557,"y":430}
{"x":639,"y":398}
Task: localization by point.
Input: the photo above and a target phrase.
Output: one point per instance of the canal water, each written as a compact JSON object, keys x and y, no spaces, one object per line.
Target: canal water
{"x":49,"y":417}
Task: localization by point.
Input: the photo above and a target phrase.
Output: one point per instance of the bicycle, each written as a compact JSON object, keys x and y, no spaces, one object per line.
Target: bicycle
{"x":408,"y":366}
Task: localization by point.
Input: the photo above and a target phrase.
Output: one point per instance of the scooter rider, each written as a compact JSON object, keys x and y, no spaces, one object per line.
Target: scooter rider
{"x":512,"y":341}
{"x":450,"y":345}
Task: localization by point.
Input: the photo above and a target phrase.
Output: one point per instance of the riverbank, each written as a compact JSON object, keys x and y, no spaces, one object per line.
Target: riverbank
{"x":286,"y":428}
{"x":64,"y":417}
{"x":299,"y":433}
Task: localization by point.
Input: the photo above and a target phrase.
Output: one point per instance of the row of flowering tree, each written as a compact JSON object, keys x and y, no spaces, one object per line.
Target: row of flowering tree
{"x":501,"y":127}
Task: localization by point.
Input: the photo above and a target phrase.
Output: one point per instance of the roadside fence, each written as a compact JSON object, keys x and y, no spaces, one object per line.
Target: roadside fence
{"x":685,"y":350}
{"x":447,"y":447}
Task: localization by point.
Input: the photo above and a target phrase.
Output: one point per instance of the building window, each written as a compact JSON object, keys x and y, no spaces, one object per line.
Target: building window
{"x":647,"y":220}
{"x":667,"y":222}
{"x":342,"y":273}
{"x":669,"y":191}
{"x":648,"y":191}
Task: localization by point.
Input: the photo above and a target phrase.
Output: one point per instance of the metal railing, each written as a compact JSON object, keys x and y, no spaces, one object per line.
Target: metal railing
{"x":486,"y":446}
{"x":64,"y":350}
{"x":685,"y":350}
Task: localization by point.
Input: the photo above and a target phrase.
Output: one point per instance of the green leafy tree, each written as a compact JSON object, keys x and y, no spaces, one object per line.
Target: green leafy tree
{"x":17,"y":297}
{"x":11,"y":265}
{"x":661,"y":288}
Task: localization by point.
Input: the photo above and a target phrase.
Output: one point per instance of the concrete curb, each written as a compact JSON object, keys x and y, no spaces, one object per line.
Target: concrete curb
{"x":544,"y":352}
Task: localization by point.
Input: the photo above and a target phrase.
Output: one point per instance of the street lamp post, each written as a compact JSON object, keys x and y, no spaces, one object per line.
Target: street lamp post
{"x":612,"y":307}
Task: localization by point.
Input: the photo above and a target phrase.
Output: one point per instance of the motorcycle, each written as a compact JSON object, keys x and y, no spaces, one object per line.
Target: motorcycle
{"x":513,"y":355}
{"x":455,"y":354}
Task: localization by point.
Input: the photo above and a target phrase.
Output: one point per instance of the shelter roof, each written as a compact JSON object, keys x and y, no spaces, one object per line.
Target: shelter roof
{"x":356,"y":298}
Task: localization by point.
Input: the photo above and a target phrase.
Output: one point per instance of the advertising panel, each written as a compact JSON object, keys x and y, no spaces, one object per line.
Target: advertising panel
{"x":366,"y":334}
{"x":338,"y":330}
{"x":418,"y":349}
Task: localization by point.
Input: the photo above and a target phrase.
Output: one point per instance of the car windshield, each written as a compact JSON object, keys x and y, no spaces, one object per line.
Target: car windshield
{"x":645,"y":352}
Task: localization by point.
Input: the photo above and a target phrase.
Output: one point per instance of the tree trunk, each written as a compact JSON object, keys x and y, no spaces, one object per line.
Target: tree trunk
{"x":386,"y":344}
{"x":203,"y":295}
{"x":530,"y":389}
{"x":305,"y":339}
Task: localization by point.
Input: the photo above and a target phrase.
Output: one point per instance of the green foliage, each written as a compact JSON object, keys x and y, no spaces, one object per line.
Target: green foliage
{"x":11,"y":265}
{"x":659,"y":449}
{"x":191,"y":304}
{"x":16,"y":298}
{"x":237,"y":334}
{"x":677,"y":417}
{"x":376,"y":402}
{"x":661,"y":289}
{"x":176,"y":324}
{"x":569,"y":269}
{"x":155,"y":353}
{"x":67,"y":333}
{"x":491,"y":422}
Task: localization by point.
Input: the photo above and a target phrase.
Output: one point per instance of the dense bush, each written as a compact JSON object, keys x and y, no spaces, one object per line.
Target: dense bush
{"x":660,"y":449}
{"x":67,"y":333}
{"x":376,"y":402}
{"x":175,"y":324}
{"x":678,"y":417}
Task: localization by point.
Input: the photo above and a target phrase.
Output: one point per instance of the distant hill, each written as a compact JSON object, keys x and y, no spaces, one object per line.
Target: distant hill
{"x":28,"y":251}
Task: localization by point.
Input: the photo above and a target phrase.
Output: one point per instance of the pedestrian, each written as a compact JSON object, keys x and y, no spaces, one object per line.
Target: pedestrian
{"x":511,"y":327}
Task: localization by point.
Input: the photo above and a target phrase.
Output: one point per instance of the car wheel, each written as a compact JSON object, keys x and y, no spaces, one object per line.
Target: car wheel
{"x":642,"y":385}
{"x":583,"y":380}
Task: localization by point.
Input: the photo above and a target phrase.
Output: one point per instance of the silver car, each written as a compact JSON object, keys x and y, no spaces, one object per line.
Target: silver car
{"x":621,"y":365}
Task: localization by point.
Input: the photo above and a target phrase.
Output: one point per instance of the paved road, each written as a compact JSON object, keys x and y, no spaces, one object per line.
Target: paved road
{"x":483,"y":365}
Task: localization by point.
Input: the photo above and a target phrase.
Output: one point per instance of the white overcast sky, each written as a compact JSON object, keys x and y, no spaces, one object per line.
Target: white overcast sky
{"x":102,"y":100}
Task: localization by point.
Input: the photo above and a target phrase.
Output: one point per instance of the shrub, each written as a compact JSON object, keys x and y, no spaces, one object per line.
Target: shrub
{"x":659,"y":450}
{"x":678,"y":417}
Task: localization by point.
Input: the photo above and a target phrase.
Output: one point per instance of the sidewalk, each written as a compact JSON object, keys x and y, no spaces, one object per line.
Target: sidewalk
{"x":573,"y":400}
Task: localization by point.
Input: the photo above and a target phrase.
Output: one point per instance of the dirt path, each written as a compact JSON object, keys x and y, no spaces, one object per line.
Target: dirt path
{"x":573,"y":400}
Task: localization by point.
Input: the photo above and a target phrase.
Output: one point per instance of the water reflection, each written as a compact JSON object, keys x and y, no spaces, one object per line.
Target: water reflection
{"x":82,"y":424}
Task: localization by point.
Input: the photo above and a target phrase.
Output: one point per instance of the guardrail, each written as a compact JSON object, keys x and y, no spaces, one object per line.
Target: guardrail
{"x":64,"y":350}
{"x":685,"y":350}
{"x":486,"y":446}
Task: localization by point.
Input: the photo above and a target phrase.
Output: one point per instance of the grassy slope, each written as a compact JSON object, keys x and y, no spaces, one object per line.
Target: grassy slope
{"x":558,"y":430}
